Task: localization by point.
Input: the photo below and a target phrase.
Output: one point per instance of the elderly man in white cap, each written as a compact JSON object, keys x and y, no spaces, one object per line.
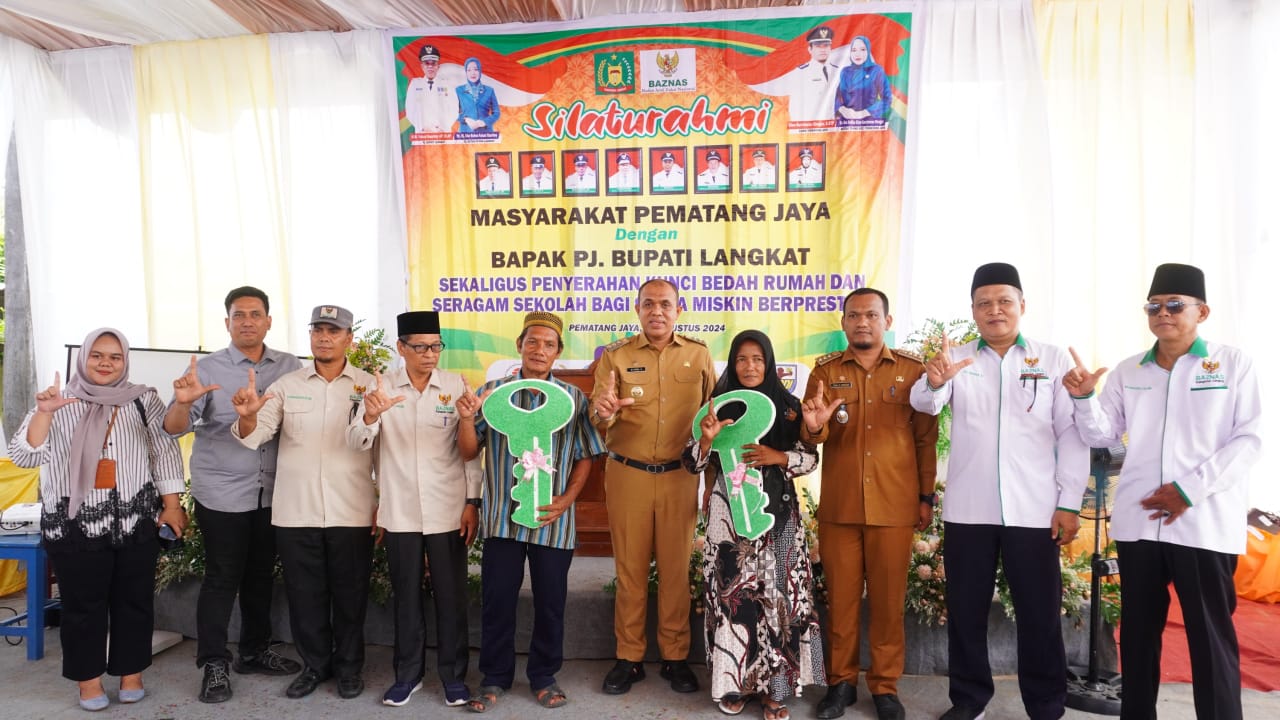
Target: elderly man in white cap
{"x":1192,"y":411}
{"x":325,"y":501}
{"x":430,"y":105}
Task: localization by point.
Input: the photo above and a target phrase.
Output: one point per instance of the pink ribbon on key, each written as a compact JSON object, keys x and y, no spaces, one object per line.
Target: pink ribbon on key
{"x":737,"y":475}
{"x":535,"y":460}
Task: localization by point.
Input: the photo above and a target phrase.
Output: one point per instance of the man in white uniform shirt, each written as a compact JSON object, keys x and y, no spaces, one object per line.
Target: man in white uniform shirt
{"x":429,"y":504}
{"x":809,"y":173}
{"x":538,"y":181}
{"x":671,"y":177}
{"x":761,"y":175}
{"x":814,"y":90}
{"x":496,"y":181}
{"x":583,"y":179}
{"x":627,"y":178}
{"x":429,"y":104}
{"x":324,"y":505}
{"x":716,"y":176}
{"x":1015,"y":482}
{"x":1192,"y":412}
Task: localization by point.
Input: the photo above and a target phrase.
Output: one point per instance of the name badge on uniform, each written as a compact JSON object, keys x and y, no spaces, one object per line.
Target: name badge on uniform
{"x":636,"y":369}
{"x":841,"y":385}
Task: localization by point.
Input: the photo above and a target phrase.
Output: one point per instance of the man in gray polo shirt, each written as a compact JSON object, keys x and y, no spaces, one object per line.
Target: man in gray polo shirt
{"x":232,"y":488}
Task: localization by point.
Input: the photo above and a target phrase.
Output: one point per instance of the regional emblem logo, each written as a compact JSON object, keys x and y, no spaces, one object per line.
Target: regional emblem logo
{"x":615,"y":73}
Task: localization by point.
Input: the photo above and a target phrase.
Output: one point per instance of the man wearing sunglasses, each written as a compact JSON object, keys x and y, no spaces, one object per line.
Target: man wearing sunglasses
{"x":430,"y":501}
{"x":1191,"y":409}
{"x":1015,"y":482}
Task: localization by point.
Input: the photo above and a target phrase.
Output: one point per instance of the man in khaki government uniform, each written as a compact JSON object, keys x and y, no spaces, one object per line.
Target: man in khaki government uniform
{"x":878,"y":471}
{"x":648,"y":387}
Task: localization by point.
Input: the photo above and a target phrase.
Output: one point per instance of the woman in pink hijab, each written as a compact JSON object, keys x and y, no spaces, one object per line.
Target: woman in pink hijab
{"x":113,"y":480}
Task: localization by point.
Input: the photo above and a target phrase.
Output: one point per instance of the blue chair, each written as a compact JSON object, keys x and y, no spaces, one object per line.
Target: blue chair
{"x":28,"y":549}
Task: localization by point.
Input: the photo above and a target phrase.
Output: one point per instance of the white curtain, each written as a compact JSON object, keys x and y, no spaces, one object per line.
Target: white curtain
{"x":78,"y":160}
{"x":130,"y":21}
{"x":341,"y":206}
{"x":980,"y":163}
{"x":1237,"y":183}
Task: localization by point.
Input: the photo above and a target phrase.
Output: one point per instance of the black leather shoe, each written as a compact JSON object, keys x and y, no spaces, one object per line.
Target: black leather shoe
{"x":623,"y":674}
{"x":839,"y":696}
{"x":888,"y":707}
{"x":350,"y":686}
{"x":305,"y":684}
{"x":680,"y":674}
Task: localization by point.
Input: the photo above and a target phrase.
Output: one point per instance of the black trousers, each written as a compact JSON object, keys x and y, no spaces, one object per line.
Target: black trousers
{"x":1206,"y":591}
{"x":1030,"y":559}
{"x":326,"y":579}
{"x":448,"y":558}
{"x":501,"y":576}
{"x":239,"y":558}
{"x":106,"y":588}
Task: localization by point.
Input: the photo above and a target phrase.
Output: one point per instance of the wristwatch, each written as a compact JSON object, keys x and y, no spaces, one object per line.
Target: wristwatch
{"x":473,"y":502}
{"x":931,"y":498}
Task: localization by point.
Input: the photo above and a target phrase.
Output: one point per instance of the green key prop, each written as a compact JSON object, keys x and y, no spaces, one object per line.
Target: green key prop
{"x":529,"y":440}
{"x":747,"y":499}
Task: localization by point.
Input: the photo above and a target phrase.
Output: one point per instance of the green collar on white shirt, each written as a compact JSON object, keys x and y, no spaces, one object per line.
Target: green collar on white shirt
{"x":1021,"y":342}
{"x":1198,"y":348}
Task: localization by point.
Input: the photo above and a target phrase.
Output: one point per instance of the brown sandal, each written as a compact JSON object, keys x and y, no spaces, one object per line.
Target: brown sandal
{"x":774,"y":710}
{"x":485,"y":698}
{"x":551,"y":696}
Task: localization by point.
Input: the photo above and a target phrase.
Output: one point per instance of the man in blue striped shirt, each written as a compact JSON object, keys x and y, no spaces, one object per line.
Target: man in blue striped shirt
{"x":549,"y":548}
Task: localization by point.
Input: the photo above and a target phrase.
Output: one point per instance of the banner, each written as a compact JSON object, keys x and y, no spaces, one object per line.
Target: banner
{"x":754,"y":158}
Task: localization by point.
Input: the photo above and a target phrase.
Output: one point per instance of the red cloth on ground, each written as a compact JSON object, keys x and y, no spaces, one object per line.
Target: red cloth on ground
{"x":1256,"y":625}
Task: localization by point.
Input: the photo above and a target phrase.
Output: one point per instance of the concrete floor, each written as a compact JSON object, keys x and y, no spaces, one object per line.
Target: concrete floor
{"x":31,"y":690}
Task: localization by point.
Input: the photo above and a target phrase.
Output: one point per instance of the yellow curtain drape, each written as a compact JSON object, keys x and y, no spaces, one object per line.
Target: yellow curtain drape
{"x":213,"y":215}
{"x":17,"y":485}
{"x":1121,"y":101}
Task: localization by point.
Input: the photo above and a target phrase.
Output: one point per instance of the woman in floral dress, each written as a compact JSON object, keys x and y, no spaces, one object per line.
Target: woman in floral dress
{"x":762,"y":632}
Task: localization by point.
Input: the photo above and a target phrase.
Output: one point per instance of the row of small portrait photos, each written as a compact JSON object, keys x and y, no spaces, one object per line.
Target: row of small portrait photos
{"x":658,"y":170}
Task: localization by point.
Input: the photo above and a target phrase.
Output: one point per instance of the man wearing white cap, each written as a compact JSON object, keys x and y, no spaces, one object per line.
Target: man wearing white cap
{"x":582,"y":181}
{"x":627,"y":178}
{"x":325,"y":502}
{"x":1015,"y":482}
{"x":430,"y":105}
{"x":1192,"y":410}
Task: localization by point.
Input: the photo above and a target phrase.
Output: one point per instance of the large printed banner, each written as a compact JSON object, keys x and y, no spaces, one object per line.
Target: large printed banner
{"x":754,"y":158}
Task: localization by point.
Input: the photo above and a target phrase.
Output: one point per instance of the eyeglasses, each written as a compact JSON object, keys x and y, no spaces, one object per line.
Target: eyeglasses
{"x":1173,"y":306}
{"x":422,"y":348}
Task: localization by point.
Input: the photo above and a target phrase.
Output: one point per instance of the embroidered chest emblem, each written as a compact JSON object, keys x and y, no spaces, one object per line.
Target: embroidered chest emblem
{"x":444,"y":399}
{"x":1032,"y":370}
{"x":1210,"y":366}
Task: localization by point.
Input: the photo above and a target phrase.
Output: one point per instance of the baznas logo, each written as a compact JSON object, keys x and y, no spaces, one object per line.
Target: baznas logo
{"x":615,"y":73}
{"x":669,"y":70}
{"x":787,"y":374}
{"x":667,"y":64}
{"x":1210,"y":366}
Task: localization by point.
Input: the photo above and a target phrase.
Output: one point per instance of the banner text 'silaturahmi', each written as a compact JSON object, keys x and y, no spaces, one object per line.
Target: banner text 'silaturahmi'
{"x":755,"y":159}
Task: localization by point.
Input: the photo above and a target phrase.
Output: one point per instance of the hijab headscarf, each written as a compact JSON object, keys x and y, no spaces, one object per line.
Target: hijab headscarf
{"x":99,"y":401}
{"x":474,"y":87}
{"x":870,"y":62}
{"x":784,"y":433}
{"x":786,"y":422}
